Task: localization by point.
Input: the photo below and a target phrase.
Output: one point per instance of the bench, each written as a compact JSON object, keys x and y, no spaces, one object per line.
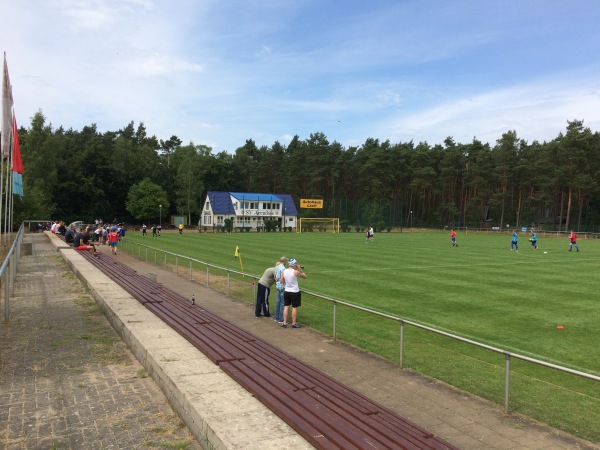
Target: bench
{"x":324,"y":411}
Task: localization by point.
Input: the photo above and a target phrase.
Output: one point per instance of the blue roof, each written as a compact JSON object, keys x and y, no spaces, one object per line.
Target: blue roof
{"x":251,"y":196}
{"x":221,"y":201}
{"x":289,"y":209}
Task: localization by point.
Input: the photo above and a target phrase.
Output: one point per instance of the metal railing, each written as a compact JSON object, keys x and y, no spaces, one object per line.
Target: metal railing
{"x":403,"y":322}
{"x":8,"y":269}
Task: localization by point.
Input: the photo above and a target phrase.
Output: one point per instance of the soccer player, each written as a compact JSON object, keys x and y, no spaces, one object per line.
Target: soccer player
{"x":573,"y":238}
{"x":514,"y":244}
{"x":453,"y":238}
{"x":533,"y":240}
{"x":180,"y":229}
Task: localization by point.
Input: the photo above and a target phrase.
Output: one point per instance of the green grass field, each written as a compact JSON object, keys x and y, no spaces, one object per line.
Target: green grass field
{"x":480,"y":290}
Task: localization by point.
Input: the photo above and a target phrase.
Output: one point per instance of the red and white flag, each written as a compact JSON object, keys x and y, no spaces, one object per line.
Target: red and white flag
{"x":17,"y":162}
{"x":7,"y":103}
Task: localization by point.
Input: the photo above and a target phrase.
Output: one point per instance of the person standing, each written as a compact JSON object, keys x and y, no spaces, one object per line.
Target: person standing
{"x":113,"y":239}
{"x":263,"y":289}
{"x":279,"y":299}
{"x":292,"y":295}
{"x":144,"y":230}
{"x":573,"y":238}
{"x":514,"y":244}
{"x":369,"y":236}
{"x":153,"y":230}
{"x":180,"y":229}
{"x":453,"y":238}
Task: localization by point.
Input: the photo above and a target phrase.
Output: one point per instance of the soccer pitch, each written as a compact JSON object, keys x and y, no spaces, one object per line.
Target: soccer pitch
{"x":480,"y":290}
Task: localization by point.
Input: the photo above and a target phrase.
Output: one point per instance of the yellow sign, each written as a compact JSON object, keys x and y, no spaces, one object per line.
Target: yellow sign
{"x":311,"y":203}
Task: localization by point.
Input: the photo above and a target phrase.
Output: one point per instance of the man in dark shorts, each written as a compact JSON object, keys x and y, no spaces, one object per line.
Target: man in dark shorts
{"x":291,"y":296}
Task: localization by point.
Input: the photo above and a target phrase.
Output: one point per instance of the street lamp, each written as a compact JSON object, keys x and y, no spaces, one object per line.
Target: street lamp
{"x":160,"y":216}
{"x":411,"y":222}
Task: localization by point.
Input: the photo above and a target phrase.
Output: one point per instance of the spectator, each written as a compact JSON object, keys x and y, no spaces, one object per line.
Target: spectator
{"x":292,"y":291}
{"x":279,"y":300}
{"x":81,"y":241}
{"x":262,"y":292}
{"x":70,"y":234}
{"x":61,"y":229}
{"x":113,"y":239}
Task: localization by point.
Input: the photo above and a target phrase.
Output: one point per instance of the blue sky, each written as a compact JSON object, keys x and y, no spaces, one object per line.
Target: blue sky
{"x":218,"y":72}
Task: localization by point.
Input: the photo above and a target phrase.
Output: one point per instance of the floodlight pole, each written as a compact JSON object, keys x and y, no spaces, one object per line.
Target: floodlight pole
{"x":160,"y":216}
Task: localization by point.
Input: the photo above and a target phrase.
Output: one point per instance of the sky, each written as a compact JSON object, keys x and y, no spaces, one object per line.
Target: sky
{"x":220,"y":72}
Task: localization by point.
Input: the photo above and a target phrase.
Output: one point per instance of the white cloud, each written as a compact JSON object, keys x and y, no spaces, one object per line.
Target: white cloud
{"x":536,"y":111}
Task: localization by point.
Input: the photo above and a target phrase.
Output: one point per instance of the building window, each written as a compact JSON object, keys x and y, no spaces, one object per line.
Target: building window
{"x":207,"y":206}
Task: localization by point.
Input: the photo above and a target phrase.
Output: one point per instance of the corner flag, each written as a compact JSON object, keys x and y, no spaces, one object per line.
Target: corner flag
{"x":238,"y":254}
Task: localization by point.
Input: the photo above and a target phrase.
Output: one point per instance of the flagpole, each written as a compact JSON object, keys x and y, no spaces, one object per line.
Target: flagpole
{"x":7,"y":102}
{"x":1,"y":194}
{"x":6,"y":197}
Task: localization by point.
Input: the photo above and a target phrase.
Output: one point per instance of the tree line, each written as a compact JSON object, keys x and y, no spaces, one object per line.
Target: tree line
{"x":128,"y":175}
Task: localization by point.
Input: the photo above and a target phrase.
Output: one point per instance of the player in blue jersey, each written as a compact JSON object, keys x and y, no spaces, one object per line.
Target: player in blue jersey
{"x":533,"y":240}
{"x":514,"y":244}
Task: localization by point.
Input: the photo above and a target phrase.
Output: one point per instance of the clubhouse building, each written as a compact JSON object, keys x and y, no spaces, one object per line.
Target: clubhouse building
{"x":248,"y":210}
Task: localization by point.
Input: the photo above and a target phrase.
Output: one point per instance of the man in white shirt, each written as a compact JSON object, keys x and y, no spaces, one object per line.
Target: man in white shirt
{"x":292,"y":291}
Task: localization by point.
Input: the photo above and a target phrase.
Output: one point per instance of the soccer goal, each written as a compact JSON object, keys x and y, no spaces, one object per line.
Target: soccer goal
{"x":323,"y":224}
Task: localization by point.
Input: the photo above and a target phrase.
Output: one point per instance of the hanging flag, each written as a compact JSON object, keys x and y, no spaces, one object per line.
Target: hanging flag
{"x":7,"y":103}
{"x":237,"y":252}
{"x":17,"y":162}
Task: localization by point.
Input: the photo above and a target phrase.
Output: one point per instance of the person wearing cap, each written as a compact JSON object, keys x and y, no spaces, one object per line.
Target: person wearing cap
{"x":263,"y":289}
{"x":292,"y":296}
{"x":279,"y":299}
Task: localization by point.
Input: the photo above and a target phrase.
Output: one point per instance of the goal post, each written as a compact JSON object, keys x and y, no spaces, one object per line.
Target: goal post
{"x":323,"y":224}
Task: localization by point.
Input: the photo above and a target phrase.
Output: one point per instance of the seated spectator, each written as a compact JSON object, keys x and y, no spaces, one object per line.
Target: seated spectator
{"x":70,"y":234}
{"x":82,"y":242}
{"x":61,"y":229}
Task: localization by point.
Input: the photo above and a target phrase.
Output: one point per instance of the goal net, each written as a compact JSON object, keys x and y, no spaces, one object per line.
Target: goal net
{"x":322,"y":224}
